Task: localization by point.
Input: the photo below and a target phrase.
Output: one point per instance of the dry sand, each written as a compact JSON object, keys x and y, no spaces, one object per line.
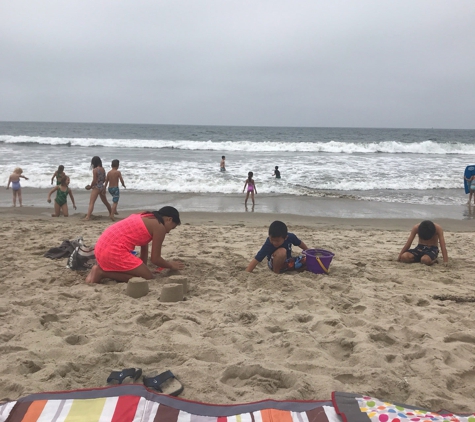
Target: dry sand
{"x":372,"y":326}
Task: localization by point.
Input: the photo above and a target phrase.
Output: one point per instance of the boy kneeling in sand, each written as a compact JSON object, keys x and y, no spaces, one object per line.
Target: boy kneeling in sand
{"x":278,"y":249}
{"x":426,"y":252}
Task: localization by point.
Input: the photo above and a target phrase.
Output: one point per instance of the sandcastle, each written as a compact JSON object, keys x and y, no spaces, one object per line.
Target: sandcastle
{"x":137,"y":287}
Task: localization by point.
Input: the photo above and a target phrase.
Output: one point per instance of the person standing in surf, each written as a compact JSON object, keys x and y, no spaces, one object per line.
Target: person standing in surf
{"x":14,"y":179}
{"x":97,"y":186}
{"x":251,"y":188}
{"x":471,"y":186}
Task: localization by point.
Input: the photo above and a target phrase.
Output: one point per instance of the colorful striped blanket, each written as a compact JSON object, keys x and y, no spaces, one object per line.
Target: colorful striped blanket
{"x":135,"y":403}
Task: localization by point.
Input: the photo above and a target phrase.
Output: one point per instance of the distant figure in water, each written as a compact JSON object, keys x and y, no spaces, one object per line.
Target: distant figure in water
{"x":471,"y":185}
{"x":14,"y":179}
{"x":251,"y":188}
{"x":222,"y":165}
{"x":276,"y":172}
{"x":58,"y":174}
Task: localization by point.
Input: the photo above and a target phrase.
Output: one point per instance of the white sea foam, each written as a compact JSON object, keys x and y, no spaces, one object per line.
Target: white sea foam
{"x":388,"y":170}
{"x":388,"y":147}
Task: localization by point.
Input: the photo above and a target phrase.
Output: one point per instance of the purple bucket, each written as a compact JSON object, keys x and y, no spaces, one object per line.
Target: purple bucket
{"x":318,"y":260}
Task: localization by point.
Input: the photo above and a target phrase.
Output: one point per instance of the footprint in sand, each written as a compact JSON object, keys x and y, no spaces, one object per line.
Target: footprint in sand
{"x":258,"y":378}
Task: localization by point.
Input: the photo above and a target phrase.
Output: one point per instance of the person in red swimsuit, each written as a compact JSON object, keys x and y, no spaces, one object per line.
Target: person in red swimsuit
{"x":112,"y":250}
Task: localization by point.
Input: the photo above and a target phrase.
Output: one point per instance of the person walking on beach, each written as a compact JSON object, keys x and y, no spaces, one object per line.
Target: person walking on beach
{"x":276,"y":172}
{"x":97,"y":186}
{"x":427,"y":250}
{"x":112,"y":182}
{"x":59,"y":174}
{"x":61,"y":200}
{"x":222,"y":164}
{"x":14,"y":179}
{"x":251,"y":188}
{"x":114,"y":246}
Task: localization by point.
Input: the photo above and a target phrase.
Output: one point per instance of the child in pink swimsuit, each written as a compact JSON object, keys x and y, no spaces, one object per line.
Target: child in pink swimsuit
{"x":251,"y":187}
{"x":114,"y":246}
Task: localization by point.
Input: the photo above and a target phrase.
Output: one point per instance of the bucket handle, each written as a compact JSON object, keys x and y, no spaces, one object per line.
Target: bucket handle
{"x":325,"y":269}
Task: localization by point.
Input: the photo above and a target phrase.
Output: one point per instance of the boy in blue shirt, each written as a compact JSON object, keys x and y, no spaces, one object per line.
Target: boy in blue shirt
{"x":278,"y":249}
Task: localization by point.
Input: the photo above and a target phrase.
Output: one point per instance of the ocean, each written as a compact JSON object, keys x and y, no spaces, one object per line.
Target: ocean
{"x":406,"y":166}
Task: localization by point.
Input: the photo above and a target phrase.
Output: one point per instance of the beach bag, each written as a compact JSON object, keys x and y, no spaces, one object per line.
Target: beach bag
{"x":65,"y":249}
{"x":82,"y":258}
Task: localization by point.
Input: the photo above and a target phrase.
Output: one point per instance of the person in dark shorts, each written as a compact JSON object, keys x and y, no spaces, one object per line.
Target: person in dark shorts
{"x":431,"y":236}
{"x":278,"y":249}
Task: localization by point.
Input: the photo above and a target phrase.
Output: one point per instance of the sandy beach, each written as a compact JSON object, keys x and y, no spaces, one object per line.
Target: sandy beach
{"x":372,"y":326}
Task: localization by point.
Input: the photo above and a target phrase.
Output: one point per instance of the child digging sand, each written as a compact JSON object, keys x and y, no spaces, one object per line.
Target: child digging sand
{"x":112,"y":249}
{"x":112,"y":180}
{"x":278,"y":249}
{"x":61,"y":200}
{"x":427,"y":250}
{"x":14,"y":179}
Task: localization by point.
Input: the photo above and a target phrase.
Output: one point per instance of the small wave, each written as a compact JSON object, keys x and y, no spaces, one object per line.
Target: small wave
{"x":333,"y":147}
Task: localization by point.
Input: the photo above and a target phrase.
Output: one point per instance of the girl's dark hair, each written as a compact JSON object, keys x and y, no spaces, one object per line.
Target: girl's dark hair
{"x":167,"y":212}
{"x":96,"y":162}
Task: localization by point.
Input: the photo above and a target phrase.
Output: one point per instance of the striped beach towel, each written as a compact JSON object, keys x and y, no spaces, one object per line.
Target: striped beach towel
{"x":135,"y":403}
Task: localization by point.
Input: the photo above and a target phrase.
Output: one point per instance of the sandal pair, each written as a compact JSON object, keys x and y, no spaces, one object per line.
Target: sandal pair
{"x":165,"y":383}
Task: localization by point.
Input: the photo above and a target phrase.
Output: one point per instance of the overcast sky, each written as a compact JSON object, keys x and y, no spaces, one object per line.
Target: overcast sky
{"x":353,"y":63}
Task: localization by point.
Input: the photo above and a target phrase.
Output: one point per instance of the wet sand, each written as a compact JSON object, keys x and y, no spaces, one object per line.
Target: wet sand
{"x":327,"y":206}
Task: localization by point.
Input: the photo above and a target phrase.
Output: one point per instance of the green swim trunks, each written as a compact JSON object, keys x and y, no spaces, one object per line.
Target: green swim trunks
{"x":115,"y":194}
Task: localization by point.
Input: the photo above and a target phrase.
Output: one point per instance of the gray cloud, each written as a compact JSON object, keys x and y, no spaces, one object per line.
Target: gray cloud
{"x":301,"y":63}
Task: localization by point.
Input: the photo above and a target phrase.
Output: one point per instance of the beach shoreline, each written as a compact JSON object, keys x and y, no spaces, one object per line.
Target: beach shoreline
{"x":372,"y":326}
{"x":249,"y":219}
{"x":305,"y":206}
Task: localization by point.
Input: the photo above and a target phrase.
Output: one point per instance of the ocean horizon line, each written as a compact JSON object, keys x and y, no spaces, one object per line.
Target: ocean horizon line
{"x":234,"y":125}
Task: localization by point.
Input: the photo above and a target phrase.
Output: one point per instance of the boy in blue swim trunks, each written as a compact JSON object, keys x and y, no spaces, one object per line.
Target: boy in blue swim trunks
{"x":112,"y":180}
{"x":431,"y":236}
{"x":278,"y":249}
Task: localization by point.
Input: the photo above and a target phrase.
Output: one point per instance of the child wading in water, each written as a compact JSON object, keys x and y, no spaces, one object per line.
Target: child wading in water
{"x":59,"y":174}
{"x":471,"y":186}
{"x":14,"y":179}
{"x":251,"y":187}
{"x":61,"y":200}
{"x":97,"y":186}
{"x":112,"y":179}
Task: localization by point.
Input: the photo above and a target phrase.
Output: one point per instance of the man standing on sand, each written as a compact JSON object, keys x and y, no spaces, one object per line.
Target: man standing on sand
{"x":222,"y":165}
